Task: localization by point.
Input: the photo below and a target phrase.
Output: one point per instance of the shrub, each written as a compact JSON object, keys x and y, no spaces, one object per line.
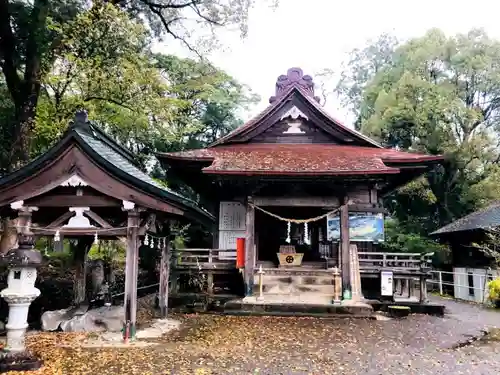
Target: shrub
{"x":494,"y":289}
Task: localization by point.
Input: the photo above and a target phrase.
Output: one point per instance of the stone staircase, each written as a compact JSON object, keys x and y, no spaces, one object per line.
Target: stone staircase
{"x":297,"y":285}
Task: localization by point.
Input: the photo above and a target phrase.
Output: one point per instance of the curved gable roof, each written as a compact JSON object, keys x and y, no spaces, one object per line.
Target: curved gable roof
{"x":114,"y":159}
{"x":295,"y":86}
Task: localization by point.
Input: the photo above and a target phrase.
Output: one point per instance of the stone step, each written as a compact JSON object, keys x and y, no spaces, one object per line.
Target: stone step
{"x":295,"y":280}
{"x":277,"y":305}
{"x":297,"y":297}
{"x":296,"y":288}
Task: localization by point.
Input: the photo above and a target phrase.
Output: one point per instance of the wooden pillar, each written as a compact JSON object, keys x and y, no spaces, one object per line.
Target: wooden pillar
{"x":165,"y":271}
{"x":249,"y":248}
{"x":423,"y":289}
{"x":345,"y":251}
{"x":131,"y":272}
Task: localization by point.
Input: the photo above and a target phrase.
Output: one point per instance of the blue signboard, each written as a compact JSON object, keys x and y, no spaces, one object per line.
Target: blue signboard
{"x":363,"y":227}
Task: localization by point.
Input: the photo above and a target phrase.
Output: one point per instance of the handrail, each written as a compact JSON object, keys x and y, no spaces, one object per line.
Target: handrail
{"x":394,"y":260}
{"x":210,"y":258}
{"x":204,"y":258}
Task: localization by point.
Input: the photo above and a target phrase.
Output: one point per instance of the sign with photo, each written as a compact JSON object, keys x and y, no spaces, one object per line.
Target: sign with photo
{"x":363,"y":227}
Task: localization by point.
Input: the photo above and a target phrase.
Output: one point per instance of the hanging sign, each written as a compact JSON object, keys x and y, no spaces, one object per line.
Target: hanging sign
{"x":386,"y":283}
{"x":363,"y":227}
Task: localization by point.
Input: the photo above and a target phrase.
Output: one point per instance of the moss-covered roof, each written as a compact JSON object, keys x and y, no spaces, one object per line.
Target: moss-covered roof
{"x":115,"y":159}
{"x":486,"y":218}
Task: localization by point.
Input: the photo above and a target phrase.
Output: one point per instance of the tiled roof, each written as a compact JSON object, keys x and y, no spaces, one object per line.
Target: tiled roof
{"x":118,"y":160}
{"x":111,"y":157}
{"x":486,"y":218}
{"x":300,"y":159}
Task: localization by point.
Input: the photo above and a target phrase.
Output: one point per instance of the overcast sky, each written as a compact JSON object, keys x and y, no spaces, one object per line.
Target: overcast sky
{"x":317,"y":34}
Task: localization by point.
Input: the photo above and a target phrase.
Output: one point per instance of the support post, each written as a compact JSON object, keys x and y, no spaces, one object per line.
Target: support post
{"x":337,"y":285}
{"x":345,"y":251}
{"x":356,"y":293}
{"x":440,"y":280}
{"x":423,"y":289}
{"x":423,"y":279}
{"x":165,"y":272}
{"x":131,"y":272}
{"x":405,"y":287}
{"x":249,"y":248}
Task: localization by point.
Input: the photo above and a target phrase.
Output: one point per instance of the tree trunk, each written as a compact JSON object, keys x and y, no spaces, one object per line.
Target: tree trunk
{"x":80,"y":251}
{"x":25,"y":122}
{"x":8,"y":238}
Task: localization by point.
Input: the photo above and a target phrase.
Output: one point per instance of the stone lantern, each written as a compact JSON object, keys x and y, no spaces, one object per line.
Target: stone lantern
{"x":20,"y":291}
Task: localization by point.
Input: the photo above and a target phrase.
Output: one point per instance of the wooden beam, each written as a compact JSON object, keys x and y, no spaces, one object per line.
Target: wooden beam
{"x":164,"y":272}
{"x":297,"y":201}
{"x":99,"y":220}
{"x":73,"y":201}
{"x":131,"y":273}
{"x":345,"y":250}
{"x":367,"y":208}
{"x":249,"y":248}
{"x":76,"y":232}
{"x":61,"y":220}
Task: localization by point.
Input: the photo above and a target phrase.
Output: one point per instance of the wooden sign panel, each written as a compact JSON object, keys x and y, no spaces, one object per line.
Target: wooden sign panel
{"x":232,"y":216}
{"x":227,"y":238}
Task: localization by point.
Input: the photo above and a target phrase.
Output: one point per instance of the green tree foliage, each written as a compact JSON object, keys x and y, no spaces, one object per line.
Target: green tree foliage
{"x":147,"y":102}
{"x":399,"y":239}
{"x":438,"y":95}
{"x":40,"y":37}
{"x":361,"y":68}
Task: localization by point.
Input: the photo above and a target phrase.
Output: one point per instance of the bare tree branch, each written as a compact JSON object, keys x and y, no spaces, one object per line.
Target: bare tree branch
{"x":167,"y":25}
{"x":202,"y":16}
{"x":109,"y":100}
{"x":170,"y":5}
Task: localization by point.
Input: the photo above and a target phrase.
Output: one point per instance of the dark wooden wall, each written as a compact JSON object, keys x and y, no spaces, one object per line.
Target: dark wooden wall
{"x":312,"y":134}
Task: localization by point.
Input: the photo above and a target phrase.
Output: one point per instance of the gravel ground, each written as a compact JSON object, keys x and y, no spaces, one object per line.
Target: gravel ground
{"x":211,"y":344}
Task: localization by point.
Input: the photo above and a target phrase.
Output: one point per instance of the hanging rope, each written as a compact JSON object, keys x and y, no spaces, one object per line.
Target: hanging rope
{"x":91,"y":230}
{"x":297,"y":221}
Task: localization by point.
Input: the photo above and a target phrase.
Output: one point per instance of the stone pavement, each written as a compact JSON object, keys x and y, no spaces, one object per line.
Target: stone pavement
{"x":469,"y":313}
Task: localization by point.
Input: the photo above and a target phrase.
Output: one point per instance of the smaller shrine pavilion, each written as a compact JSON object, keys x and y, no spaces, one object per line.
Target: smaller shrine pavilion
{"x":88,"y":187}
{"x":300,"y":187}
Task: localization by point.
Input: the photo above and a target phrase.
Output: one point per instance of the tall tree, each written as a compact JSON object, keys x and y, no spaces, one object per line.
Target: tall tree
{"x":363,"y":64}
{"x":31,"y":40}
{"x":439,"y":95}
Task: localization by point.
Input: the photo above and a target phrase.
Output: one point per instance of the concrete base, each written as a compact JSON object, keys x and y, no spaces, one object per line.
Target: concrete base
{"x":282,"y":307}
{"x":416,"y":307}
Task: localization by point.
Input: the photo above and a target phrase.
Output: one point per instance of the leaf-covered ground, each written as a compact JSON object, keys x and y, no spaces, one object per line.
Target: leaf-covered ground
{"x":255,"y":345}
{"x":211,"y":344}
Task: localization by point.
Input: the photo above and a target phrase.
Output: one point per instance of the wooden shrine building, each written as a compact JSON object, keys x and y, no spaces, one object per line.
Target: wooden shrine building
{"x":301,"y":189}
{"x":88,"y":187}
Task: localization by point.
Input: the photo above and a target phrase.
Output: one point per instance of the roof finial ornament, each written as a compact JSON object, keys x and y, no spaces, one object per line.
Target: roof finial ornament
{"x":81,"y":118}
{"x":294,"y":77}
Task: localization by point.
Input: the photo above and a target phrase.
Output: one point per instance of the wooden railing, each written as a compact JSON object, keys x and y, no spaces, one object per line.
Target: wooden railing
{"x":396,"y":261}
{"x":205,"y":258}
{"x":368,"y":261}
